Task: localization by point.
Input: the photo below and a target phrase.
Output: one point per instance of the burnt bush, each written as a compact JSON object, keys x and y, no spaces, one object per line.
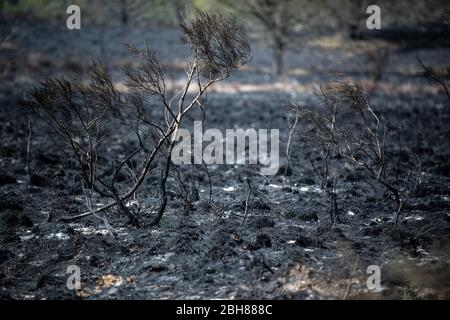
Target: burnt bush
{"x":347,"y":131}
{"x":87,"y":115}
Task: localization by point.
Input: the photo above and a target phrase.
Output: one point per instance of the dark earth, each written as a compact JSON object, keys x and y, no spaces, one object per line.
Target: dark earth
{"x":286,"y":247}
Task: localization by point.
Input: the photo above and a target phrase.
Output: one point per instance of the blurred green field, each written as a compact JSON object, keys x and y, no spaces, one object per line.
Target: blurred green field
{"x":102,"y":11}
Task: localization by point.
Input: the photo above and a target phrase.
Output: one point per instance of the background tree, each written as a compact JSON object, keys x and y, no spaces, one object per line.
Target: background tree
{"x":348,"y":14}
{"x":279,"y":18}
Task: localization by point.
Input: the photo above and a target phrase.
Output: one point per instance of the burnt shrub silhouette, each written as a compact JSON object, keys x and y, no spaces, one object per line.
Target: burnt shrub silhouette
{"x":84,"y":115}
{"x":348,"y":130}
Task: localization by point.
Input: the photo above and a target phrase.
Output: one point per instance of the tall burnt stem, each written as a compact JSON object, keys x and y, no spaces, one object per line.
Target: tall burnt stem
{"x":29,"y":138}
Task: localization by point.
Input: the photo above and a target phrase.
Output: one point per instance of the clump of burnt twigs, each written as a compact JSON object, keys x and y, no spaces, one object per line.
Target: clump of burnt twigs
{"x":346,"y":131}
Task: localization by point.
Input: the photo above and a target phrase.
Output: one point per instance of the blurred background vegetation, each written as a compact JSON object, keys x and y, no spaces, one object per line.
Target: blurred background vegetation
{"x":327,"y":13}
{"x":277,"y":24}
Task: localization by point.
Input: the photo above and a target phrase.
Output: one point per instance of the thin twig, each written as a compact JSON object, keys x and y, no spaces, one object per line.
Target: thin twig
{"x":30,"y":134}
{"x":288,"y":147}
{"x":249,"y":192}
{"x":350,"y":282}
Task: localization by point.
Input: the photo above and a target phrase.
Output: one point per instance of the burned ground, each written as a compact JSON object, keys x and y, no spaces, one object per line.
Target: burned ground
{"x":286,"y":247}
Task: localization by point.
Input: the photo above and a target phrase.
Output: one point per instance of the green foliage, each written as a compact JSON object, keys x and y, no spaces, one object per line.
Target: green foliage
{"x":163,"y":12}
{"x":39,"y":8}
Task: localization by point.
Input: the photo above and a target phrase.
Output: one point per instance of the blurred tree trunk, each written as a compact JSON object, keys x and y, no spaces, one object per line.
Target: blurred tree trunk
{"x":124,"y":12}
{"x":278,"y":49}
{"x":278,"y":56}
{"x":2,"y":9}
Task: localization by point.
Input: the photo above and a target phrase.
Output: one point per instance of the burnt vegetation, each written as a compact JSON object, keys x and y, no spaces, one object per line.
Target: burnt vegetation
{"x":348,"y":131}
{"x":83,"y":114}
{"x":90,"y":162}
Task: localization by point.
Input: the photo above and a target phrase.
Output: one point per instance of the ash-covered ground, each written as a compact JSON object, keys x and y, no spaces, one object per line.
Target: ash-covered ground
{"x":287,"y":247}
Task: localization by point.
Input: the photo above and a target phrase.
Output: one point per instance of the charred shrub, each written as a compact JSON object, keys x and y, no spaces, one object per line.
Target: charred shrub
{"x":348,"y":130}
{"x":92,"y":117}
